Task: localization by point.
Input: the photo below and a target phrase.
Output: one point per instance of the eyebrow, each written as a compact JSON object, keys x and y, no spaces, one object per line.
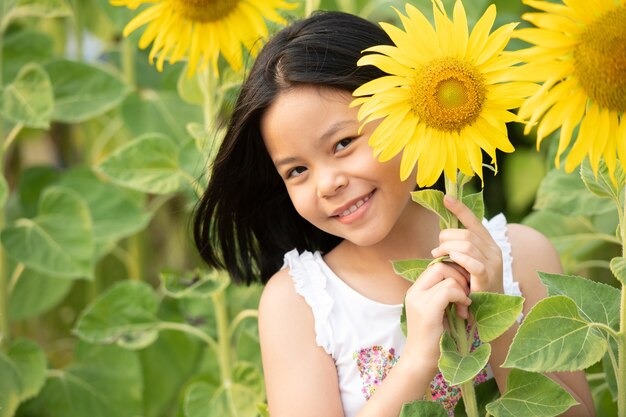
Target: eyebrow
{"x":332,"y":130}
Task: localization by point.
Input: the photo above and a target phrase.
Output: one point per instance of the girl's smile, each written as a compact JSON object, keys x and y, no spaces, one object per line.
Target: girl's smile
{"x":354,"y":210}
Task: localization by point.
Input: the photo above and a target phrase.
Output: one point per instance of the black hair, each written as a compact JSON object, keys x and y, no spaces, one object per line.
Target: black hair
{"x":245,"y":221}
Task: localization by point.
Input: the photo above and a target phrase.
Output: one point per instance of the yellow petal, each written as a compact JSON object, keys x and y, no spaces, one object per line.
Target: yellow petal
{"x":481,"y":30}
{"x":552,"y":22}
{"x":460,"y":30}
{"x":379,"y":84}
{"x":546,"y":38}
{"x":584,"y":141}
{"x":496,"y":42}
{"x":579,"y":102}
{"x":386,"y":64}
{"x":621,"y":140}
{"x":142,"y":18}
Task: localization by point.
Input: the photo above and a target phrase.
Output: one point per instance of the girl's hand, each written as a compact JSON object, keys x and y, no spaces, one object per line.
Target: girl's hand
{"x":472,"y":248}
{"x":426,"y":301}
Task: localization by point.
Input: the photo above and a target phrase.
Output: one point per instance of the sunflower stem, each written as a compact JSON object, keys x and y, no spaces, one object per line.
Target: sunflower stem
{"x":458,"y":326}
{"x":4,"y":296}
{"x":621,"y":340}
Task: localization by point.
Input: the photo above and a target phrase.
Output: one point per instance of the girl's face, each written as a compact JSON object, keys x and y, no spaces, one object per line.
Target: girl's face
{"x":331,"y":176}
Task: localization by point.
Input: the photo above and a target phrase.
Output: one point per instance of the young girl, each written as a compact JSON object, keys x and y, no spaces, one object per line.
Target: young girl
{"x":297,"y":199}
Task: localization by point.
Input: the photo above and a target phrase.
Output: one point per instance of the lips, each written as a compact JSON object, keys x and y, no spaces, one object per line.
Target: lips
{"x":352,"y":206}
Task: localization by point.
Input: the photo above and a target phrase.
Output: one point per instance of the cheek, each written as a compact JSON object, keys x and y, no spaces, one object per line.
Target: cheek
{"x":302,"y":202}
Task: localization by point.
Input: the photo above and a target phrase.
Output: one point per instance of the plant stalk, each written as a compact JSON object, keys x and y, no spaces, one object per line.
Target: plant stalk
{"x":4,"y":284}
{"x":621,"y":341}
{"x":458,"y":326}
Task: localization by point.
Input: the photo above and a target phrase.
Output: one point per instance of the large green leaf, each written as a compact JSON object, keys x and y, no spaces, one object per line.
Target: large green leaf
{"x":124,"y":314}
{"x":167,"y":364}
{"x":433,"y":201}
{"x":59,"y":241}
{"x":30,"y":362}
{"x":457,"y":369}
{"x":28,"y":99}
{"x":41,"y":8}
{"x":200,"y":403}
{"x":423,"y":409}
{"x":22,"y":47}
{"x":494,"y":313}
{"x":531,"y":395}
{"x":411,"y":269}
{"x":565,"y":193}
{"x":32,"y":183}
{"x":164,"y":112}
{"x":596,"y":302}
{"x":83,"y":91}
{"x":475,"y":203}
{"x":36,"y":293}
{"x":196,"y":284}
{"x":103,"y":381}
{"x":149,"y":163}
{"x":554,"y":337}
{"x":114,"y":211}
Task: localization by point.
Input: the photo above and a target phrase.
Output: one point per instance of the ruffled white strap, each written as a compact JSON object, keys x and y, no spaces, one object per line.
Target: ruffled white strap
{"x":310,"y":283}
{"x":497,"y":228}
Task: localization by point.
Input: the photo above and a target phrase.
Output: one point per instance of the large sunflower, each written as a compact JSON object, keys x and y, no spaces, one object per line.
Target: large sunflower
{"x":580,"y":56}
{"x":201,"y":29}
{"x":448,"y":94}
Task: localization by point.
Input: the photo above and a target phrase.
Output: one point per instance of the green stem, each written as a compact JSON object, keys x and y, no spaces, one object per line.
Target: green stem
{"x":128,"y":60}
{"x":310,"y":6}
{"x":621,"y":343}
{"x":135,"y":257}
{"x":239,"y":318}
{"x":4,"y":296}
{"x":17,"y":272}
{"x":12,"y":135}
{"x":454,"y":190}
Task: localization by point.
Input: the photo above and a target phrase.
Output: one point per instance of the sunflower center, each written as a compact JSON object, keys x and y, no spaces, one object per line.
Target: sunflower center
{"x":448,"y":94}
{"x":600,"y":60}
{"x":205,"y":10}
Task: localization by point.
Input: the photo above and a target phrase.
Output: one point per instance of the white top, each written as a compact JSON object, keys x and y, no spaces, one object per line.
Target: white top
{"x":363,"y":336}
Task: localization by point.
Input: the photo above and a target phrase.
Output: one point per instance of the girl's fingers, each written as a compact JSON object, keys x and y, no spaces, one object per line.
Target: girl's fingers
{"x":466,"y":216}
{"x":439,"y":272}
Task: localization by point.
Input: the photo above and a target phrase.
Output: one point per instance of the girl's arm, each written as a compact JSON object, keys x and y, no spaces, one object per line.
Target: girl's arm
{"x":532,"y":252}
{"x":301,"y":379}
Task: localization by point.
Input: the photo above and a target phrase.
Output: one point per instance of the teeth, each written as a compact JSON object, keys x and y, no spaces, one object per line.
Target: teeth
{"x":355,"y":206}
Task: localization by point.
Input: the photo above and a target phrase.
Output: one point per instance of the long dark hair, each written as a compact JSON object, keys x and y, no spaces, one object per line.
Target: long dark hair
{"x":245,"y":221}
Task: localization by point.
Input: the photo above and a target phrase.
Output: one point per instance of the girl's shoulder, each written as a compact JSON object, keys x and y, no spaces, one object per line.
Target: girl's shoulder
{"x":532,"y":252}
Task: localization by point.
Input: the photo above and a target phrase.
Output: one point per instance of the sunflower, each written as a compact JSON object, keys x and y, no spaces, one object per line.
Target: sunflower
{"x":447,"y":95}
{"x":579,"y":54}
{"x":201,"y":29}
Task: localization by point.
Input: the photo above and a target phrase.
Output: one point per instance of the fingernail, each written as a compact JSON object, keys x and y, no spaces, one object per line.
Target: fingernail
{"x":454,"y":255}
{"x":433,"y":252}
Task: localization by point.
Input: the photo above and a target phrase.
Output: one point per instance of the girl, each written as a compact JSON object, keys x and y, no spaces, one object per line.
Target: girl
{"x":297,"y":198}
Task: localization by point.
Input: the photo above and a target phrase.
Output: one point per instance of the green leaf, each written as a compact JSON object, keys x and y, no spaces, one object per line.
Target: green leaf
{"x":199,"y":403}
{"x":602,"y":185}
{"x":196,"y":284}
{"x":476,"y":204}
{"x":411,"y":269}
{"x":36,"y":293}
{"x":522,"y":172}
{"x":494,"y":313}
{"x":554,"y":337}
{"x":433,"y":201}
{"x":28,"y":99}
{"x":457,"y":369}
{"x":30,"y":362}
{"x":22,"y":47}
{"x":530,"y":395}
{"x":41,"y":8}
{"x":83,"y":91}
{"x":565,"y":193}
{"x":59,"y":241}
{"x":403,"y":321}
{"x":163,"y":112}
{"x":618,"y":268}
{"x":423,"y":409}
{"x":10,"y":386}
{"x":189,"y":88}
{"x":486,"y":392}
{"x":149,"y":163}
{"x":263,"y":409}
{"x":596,"y":302}
{"x":116,"y":212}
{"x":609,"y":371}
{"x":103,"y":381}
{"x":124,"y":314}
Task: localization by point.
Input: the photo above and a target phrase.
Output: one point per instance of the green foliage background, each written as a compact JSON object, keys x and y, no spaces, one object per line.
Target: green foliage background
{"x":103,"y":310}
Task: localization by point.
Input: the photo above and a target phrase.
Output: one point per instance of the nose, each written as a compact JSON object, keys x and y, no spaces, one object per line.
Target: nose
{"x":329,"y":182}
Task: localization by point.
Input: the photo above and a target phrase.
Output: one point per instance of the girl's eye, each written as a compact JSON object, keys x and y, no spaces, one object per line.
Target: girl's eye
{"x":295,"y":172}
{"x":343,"y":143}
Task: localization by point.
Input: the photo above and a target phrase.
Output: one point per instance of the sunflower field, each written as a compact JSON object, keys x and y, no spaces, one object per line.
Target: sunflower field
{"x":112,"y":110}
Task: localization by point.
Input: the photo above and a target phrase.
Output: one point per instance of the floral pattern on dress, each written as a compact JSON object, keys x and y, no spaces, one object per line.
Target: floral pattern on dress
{"x":374,"y":364}
{"x":449,"y":395}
